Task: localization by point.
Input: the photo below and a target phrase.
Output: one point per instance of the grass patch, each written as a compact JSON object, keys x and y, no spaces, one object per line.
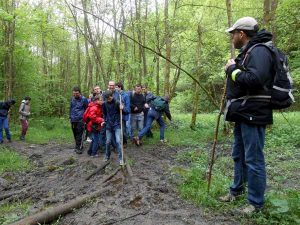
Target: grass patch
{"x":12,"y":212}
{"x":12,"y":161}
{"x":282,"y":159}
{"x":43,"y":130}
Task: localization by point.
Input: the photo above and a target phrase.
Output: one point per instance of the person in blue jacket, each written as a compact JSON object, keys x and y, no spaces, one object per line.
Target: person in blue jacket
{"x":77,"y":107}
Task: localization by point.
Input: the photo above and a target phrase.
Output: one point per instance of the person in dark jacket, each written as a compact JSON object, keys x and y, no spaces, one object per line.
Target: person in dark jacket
{"x":78,"y":105}
{"x":4,"y":109}
{"x":152,"y":115}
{"x":111,"y":112}
{"x":126,"y":110}
{"x":137,"y":105}
{"x":147,"y":95}
{"x":249,"y":76}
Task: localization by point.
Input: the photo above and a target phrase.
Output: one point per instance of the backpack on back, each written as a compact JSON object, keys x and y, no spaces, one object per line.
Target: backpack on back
{"x":159,"y":104}
{"x":281,"y":96}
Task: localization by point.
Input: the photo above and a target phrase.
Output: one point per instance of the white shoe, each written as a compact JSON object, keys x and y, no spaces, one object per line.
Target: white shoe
{"x":88,"y":140}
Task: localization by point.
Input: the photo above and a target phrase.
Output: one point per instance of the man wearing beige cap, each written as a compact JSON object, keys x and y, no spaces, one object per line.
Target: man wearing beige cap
{"x":249,"y":76}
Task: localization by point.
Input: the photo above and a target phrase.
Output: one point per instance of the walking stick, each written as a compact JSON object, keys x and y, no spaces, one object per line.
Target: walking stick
{"x":121,"y":123}
{"x":212,"y":159}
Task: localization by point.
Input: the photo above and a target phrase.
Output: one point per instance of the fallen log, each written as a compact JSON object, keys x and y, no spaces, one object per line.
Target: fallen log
{"x":97,"y":170}
{"x":52,"y":213}
{"x":111,"y":175}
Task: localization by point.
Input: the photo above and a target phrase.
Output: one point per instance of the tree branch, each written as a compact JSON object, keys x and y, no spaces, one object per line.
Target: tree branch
{"x":157,"y":53}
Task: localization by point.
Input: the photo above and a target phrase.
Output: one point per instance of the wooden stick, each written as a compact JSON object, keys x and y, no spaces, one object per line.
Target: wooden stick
{"x":7,"y":195}
{"x":97,"y":170}
{"x":111,"y":175}
{"x":126,"y":218}
{"x":121,"y":123}
{"x":52,"y":213}
{"x":212,"y":159}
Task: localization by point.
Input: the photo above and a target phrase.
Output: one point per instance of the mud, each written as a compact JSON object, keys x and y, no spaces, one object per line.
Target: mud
{"x":151,"y":198}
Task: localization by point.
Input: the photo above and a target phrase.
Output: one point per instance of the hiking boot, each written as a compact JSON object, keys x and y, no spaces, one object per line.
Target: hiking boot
{"x":78,"y":151}
{"x":228,"y":198}
{"x":9,"y":140}
{"x":248,"y":210}
{"x":137,"y":141}
{"x":22,"y":138}
{"x":1,"y":142}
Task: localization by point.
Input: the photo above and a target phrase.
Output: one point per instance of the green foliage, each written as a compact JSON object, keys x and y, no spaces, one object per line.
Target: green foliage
{"x":12,"y":212}
{"x":12,"y":161}
{"x":282,"y":159}
{"x":47,"y":129}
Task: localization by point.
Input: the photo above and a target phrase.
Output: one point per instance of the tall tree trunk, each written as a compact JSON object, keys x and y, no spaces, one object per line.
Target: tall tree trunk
{"x":78,"y":57}
{"x":157,"y":58}
{"x":270,"y":7}
{"x":139,"y":36}
{"x":230,"y":23}
{"x":168,"y":49}
{"x":196,"y":98}
{"x":9,"y":44}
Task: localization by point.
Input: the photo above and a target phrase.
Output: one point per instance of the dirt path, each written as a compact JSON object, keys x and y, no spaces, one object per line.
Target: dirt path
{"x":60,"y":175}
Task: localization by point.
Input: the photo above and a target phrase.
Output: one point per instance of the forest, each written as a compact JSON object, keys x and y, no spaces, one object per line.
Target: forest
{"x":178,"y":48}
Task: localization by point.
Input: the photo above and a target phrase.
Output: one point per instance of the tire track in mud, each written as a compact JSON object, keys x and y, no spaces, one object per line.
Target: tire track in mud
{"x":59,"y":176}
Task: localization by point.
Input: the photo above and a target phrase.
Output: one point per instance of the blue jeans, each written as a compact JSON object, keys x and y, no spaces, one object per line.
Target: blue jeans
{"x":95,"y":142}
{"x":136,"y":123}
{"x":109,"y":135}
{"x":249,"y":162}
{"x":4,"y":124}
{"x":153,"y":115}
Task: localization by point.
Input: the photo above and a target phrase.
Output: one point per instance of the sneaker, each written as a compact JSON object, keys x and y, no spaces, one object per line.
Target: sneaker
{"x":228,"y":198}
{"x":95,"y":156}
{"x":106,"y":159}
{"x":121,"y":162}
{"x":163,"y":141}
{"x":248,"y":210}
{"x":9,"y":140}
{"x":88,"y":140}
{"x":1,"y":142}
{"x":78,"y":151}
{"x":22,"y":138}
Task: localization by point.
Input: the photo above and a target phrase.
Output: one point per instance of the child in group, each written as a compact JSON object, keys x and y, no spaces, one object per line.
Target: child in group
{"x":94,"y":118}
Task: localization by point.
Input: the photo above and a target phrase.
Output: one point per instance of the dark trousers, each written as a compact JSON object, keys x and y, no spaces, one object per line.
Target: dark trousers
{"x":78,"y":129}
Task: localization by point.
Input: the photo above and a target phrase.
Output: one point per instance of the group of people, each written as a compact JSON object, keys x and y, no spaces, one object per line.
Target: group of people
{"x":114,"y":116}
{"x":24,"y":113}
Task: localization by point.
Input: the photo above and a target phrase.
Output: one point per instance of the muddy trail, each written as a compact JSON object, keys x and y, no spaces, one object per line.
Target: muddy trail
{"x":59,"y":176}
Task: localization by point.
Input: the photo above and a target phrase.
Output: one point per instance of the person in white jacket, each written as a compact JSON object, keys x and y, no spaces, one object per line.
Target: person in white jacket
{"x":24,"y":112}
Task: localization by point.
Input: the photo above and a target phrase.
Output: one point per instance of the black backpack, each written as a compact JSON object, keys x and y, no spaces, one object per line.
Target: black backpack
{"x":281,"y":96}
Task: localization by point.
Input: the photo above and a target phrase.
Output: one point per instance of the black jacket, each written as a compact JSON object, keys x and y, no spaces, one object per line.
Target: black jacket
{"x":4,"y":108}
{"x":255,"y":78}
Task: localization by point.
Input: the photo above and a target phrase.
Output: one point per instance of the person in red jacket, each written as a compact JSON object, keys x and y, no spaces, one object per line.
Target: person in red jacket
{"x":93,"y":116}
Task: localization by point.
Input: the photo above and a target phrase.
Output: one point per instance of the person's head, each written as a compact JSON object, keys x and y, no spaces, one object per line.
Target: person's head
{"x":242,"y":31}
{"x":11,"y":102}
{"x":109,"y":95}
{"x":111,"y":86}
{"x":97,"y":90}
{"x":98,"y":99}
{"x":27,"y":99}
{"x":138,"y":89}
{"x":76,"y":92}
{"x":145,"y":89}
{"x":119,"y":86}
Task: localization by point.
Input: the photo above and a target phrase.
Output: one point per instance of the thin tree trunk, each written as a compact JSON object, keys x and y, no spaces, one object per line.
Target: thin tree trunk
{"x":230,"y":23}
{"x":157,"y":58}
{"x":196,"y":98}
{"x":168,"y":49}
{"x":78,"y":58}
{"x":139,"y":36}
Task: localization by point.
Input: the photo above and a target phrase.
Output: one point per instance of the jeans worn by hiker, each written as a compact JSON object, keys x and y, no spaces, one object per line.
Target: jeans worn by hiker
{"x":111,"y":112}
{"x":24,"y":112}
{"x":78,"y":106}
{"x":4,"y":109}
{"x":247,"y":81}
{"x":155,"y":114}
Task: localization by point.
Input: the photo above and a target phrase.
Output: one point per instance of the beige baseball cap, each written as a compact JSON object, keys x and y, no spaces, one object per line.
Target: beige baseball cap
{"x":245,"y":23}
